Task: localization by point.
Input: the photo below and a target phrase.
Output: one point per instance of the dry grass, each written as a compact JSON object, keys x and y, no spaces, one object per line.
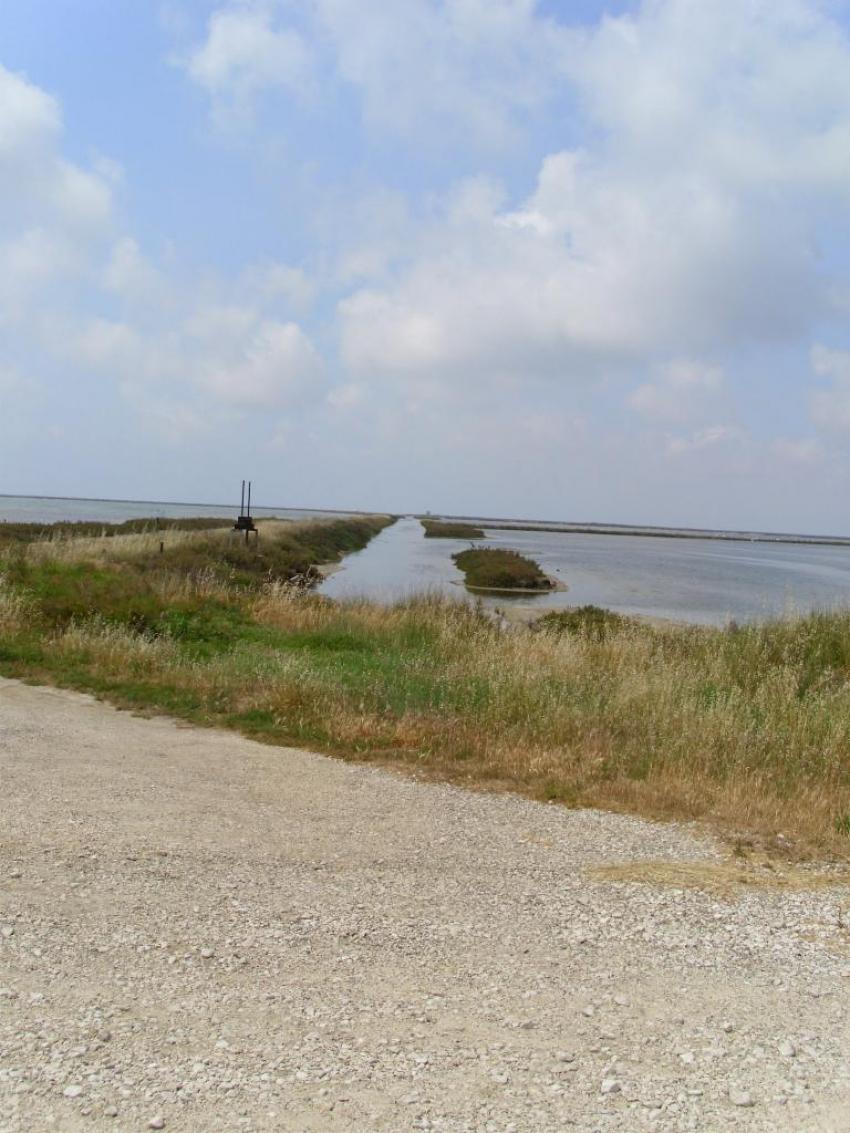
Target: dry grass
{"x":748,"y":730}
{"x":108,"y":548}
{"x":15,"y":610}
{"x":726,"y":879}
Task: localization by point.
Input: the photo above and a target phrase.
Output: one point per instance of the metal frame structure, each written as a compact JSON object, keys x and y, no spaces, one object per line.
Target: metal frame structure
{"x":244,"y":522}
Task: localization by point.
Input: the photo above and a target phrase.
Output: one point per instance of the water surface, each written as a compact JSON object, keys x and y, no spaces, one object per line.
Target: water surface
{"x":708,"y":581}
{"x":703,"y":581}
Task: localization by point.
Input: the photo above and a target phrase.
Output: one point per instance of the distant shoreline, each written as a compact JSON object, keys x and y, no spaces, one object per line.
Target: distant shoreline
{"x":718,"y":536}
{"x":182,"y":503}
{"x":494,"y":523}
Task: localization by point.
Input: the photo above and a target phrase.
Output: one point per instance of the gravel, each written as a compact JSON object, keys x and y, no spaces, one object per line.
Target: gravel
{"x":212,"y":934}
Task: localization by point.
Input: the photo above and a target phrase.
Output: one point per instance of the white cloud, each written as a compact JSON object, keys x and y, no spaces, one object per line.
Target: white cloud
{"x":273,"y":282}
{"x":78,"y":197}
{"x":176,"y":421}
{"x":682,"y":391}
{"x":105,"y":344}
{"x":833,"y":365}
{"x":749,"y":91}
{"x":692,"y":164}
{"x":688,"y":226}
{"x":473,"y":71}
{"x":29,"y":261}
{"x":30,"y":119}
{"x":245,"y":53}
{"x":11,"y":380}
{"x":226,"y":356}
{"x":37,"y":185}
{"x":276,"y":365}
{"x":799,"y":450}
{"x":130,"y":273}
{"x":54,"y":215}
{"x":709,"y":437}
{"x":347,"y":397}
{"x":830,"y":407}
{"x":463,"y":69}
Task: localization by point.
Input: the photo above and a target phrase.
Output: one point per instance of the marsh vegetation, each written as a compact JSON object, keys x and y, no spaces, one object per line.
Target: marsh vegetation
{"x":495,"y":568}
{"x":440,"y":529}
{"x":746,"y":727}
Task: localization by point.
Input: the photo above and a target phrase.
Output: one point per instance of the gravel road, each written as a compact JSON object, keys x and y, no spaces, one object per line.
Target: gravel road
{"x":202,"y":933}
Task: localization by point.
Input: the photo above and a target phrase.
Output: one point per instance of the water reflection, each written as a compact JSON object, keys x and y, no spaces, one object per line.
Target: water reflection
{"x":685,"y":579}
{"x":397,"y":563}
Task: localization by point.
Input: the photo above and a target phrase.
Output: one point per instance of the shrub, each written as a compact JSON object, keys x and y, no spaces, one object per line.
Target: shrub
{"x":492,"y":568}
{"x":438,"y":529}
{"x":589,"y":621}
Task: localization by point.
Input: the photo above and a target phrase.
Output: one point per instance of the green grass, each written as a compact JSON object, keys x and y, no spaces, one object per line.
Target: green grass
{"x":439,"y":529}
{"x":748,"y":728}
{"x":492,"y":568}
{"x":293,"y":551}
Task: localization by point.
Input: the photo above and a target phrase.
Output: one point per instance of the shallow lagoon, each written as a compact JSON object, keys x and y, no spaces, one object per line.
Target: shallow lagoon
{"x":707,"y":581}
{"x":696,"y":580}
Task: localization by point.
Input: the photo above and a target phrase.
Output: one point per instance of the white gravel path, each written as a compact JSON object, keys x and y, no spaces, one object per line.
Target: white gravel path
{"x":202,"y":933}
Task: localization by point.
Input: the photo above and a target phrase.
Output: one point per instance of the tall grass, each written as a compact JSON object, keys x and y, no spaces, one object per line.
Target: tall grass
{"x":14,"y":610}
{"x":748,"y":728}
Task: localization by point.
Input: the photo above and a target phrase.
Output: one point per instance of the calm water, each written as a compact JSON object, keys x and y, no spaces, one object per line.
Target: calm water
{"x":41,"y":509}
{"x":686,"y":579}
{"x":693,"y":580}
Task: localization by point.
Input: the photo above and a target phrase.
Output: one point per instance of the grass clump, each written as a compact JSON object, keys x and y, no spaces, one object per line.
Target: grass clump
{"x":440,"y":529}
{"x":747,"y":728}
{"x":589,"y":621}
{"x":492,"y":568}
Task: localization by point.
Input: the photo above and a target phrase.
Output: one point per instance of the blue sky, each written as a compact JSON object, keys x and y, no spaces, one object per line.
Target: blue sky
{"x":574,"y":260}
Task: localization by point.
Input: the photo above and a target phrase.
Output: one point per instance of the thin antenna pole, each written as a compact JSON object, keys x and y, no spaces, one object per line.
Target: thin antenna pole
{"x":249,"y":498}
{"x":242,"y":505}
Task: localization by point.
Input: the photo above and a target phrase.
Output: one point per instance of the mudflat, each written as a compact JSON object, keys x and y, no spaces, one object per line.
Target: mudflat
{"x":199,"y":932}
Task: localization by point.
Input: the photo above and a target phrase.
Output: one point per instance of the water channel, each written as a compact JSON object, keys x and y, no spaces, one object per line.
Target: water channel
{"x":704,"y":581}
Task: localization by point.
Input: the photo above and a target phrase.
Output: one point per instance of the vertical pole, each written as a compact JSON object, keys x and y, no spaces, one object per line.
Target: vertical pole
{"x":242,"y":505}
{"x":249,"y":499}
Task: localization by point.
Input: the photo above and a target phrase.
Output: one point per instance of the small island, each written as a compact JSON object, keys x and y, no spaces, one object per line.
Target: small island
{"x":494,"y":568}
{"x":439,"y":529}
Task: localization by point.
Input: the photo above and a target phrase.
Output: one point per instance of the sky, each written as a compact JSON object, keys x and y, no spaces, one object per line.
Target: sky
{"x":565,"y":259}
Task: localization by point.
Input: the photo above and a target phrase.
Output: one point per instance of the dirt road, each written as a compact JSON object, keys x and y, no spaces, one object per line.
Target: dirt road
{"x":202,"y":933}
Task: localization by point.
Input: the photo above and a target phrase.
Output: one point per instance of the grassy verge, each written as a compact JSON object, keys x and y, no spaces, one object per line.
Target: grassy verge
{"x":55,"y":532}
{"x":747,"y":728}
{"x":437,"y":529}
{"x":491,"y":568}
